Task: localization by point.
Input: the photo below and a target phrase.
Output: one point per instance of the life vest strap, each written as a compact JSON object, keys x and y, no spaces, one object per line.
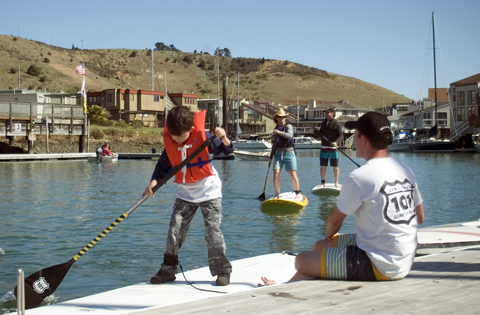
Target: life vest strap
{"x":200,"y":163}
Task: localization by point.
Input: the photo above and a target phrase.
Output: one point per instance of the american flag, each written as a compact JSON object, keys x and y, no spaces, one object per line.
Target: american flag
{"x":80,"y":69}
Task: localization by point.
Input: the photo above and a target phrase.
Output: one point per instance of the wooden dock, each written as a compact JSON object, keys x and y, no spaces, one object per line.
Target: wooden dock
{"x":84,"y":156}
{"x":446,"y":283}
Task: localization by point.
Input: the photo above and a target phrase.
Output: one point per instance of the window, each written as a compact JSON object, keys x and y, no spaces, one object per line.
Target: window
{"x":442,"y":115}
{"x":471,"y":97}
{"x":110,"y":98}
{"x":156,"y":98}
{"x":460,"y":113}
{"x":461,"y":98}
{"x":122,"y":96}
{"x":132,"y":97}
{"x":471,"y":111}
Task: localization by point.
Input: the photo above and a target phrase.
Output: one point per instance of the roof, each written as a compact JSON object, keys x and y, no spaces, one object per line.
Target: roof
{"x":474,"y":79}
{"x":342,"y":105}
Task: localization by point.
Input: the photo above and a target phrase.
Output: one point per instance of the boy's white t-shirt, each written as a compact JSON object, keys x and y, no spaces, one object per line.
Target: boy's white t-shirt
{"x":383,"y":195}
{"x":205,"y":189}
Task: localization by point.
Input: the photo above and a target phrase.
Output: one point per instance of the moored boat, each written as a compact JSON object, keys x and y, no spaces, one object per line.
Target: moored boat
{"x":433,"y":146}
{"x":306,"y":143}
{"x":252,"y":156}
{"x":252,"y":144}
{"x":401,"y":143}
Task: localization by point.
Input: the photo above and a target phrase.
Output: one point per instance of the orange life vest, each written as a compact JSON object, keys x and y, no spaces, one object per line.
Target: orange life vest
{"x":199,"y":168}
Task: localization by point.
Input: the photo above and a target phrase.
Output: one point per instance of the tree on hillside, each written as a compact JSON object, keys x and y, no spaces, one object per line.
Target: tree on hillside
{"x":162,"y":47}
{"x":225,"y":52}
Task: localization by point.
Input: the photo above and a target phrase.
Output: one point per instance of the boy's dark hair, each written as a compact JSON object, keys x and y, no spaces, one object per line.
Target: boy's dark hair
{"x":179,"y":120}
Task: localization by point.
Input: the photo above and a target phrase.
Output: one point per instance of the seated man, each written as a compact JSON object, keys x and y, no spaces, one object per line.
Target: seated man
{"x":106,"y":149}
{"x":383,"y":194}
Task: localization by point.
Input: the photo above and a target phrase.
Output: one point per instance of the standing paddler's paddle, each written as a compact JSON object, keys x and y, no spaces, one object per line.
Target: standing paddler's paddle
{"x":44,"y":282}
{"x":262,"y":196}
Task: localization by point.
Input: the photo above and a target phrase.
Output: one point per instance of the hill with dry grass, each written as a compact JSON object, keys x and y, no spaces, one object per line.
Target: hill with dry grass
{"x":51,"y":68}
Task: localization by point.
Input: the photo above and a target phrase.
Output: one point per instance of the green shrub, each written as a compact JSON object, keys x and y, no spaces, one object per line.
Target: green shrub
{"x":13,"y":70}
{"x":96,"y":134}
{"x":43,"y":78}
{"x":121,"y":124}
{"x":34,"y":70}
{"x":137,"y":124}
{"x":188,"y":59}
{"x":46,"y":60}
{"x":97,"y":115}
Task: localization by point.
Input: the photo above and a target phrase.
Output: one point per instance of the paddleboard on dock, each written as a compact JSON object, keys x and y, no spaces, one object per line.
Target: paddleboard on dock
{"x":441,"y":238}
{"x":246,"y":275}
{"x":329,"y":188}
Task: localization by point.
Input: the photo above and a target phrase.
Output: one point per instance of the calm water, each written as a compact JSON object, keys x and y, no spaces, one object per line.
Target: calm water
{"x":51,"y":210}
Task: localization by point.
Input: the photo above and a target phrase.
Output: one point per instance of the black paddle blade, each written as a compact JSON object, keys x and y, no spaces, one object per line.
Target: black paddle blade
{"x":43,"y":283}
{"x":262,"y":196}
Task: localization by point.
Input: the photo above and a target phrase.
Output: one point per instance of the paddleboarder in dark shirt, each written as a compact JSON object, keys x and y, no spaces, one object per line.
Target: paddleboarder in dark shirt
{"x":331,"y":133}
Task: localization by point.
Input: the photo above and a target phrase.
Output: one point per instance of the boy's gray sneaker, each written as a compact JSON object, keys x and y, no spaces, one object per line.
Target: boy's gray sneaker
{"x":223,"y":279}
{"x":161,"y":277}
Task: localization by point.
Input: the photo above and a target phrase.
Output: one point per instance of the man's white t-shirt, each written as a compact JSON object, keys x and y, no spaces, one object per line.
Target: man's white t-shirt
{"x":383,"y":195}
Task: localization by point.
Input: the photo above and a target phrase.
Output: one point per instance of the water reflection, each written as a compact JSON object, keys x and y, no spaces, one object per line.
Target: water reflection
{"x":284,"y":232}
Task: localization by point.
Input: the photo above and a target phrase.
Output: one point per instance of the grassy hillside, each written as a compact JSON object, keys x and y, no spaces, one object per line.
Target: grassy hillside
{"x":275,"y":80}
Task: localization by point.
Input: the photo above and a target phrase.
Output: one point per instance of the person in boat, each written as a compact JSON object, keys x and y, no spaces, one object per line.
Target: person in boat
{"x":198,"y":186}
{"x":331,"y":133}
{"x":384,"y":197}
{"x":284,"y":153}
{"x":106,"y":149}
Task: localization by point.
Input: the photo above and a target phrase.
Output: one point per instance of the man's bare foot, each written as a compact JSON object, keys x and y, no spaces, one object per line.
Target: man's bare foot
{"x":266,"y":282}
{"x":321,"y":186}
{"x":275,"y":197}
{"x":298,"y":197}
{"x":338,"y":185}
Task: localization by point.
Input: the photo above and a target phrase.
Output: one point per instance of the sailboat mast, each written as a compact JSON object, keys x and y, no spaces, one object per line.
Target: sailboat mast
{"x":434,"y":66}
{"x":238,"y":105}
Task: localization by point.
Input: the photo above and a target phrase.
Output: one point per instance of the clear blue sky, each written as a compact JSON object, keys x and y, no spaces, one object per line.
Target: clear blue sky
{"x":383,"y":42}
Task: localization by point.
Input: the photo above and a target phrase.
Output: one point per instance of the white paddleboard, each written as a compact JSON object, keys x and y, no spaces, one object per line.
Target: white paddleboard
{"x":329,"y":188}
{"x":246,"y":275}
{"x":442,"y":238}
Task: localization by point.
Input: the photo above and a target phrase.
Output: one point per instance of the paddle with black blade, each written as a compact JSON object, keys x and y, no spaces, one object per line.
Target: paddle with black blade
{"x":262,"y":196}
{"x":44,"y":282}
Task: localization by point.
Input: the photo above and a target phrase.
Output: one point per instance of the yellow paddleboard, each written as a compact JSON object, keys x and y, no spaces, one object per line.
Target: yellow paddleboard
{"x":286,"y":200}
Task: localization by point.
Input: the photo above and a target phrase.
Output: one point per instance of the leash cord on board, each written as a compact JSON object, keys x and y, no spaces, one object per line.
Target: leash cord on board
{"x":191,"y":283}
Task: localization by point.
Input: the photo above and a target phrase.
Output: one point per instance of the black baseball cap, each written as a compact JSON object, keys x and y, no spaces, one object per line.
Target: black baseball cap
{"x":330,"y":110}
{"x":373,"y":125}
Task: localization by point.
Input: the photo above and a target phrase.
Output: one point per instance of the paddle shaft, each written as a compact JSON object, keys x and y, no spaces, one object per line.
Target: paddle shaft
{"x":172,"y":173}
{"x":44,"y":282}
{"x":262,"y":196}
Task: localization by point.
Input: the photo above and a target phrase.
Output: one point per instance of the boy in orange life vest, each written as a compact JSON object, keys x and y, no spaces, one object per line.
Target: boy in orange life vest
{"x":199,"y":186}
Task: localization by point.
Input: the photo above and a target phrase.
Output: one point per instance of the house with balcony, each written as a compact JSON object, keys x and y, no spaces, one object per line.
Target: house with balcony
{"x":465,"y":102}
{"x":426,"y":119}
{"x":148,"y":106}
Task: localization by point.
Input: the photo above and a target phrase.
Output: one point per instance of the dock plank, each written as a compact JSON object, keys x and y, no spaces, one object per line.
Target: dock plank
{"x":444,"y":283}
